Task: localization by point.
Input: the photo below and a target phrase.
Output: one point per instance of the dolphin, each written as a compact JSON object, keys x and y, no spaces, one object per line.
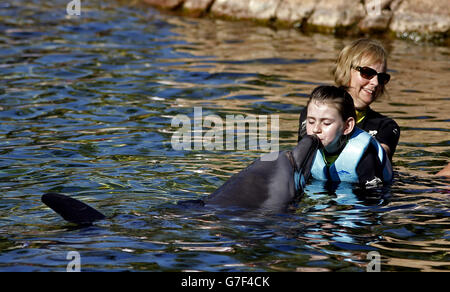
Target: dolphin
{"x":266,"y":184}
{"x":269,"y":184}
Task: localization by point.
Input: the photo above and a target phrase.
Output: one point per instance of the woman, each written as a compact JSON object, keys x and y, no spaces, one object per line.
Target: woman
{"x":361,"y":69}
{"x":348,"y":153}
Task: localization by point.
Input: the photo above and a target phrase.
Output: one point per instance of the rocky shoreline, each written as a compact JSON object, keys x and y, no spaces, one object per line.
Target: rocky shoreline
{"x":418,"y":20}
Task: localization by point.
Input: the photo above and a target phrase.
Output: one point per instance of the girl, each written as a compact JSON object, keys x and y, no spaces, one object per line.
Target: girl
{"x":349,"y":153}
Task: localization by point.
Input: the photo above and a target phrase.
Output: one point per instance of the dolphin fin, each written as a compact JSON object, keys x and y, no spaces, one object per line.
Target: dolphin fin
{"x":71,"y":209}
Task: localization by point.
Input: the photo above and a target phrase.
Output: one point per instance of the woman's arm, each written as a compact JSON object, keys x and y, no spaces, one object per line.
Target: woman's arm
{"x":369,"y":169}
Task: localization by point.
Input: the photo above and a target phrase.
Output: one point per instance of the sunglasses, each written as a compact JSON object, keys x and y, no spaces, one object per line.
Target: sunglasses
{"x":369,"y":73}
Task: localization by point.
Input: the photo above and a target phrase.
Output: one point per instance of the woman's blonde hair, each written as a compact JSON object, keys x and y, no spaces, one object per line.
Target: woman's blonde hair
{"x":362,"y":52}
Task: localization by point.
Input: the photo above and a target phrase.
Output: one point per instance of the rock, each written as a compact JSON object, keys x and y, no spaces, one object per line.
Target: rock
{"x":295,"y":11}
{"x":378,"y":16}
{"x":421,"y":17}
{"x":395,"y":4}
{"x":375,"y":7}
{"x":376,"y":22}
{"x":197,"y":5}
{"x":197,"y":8}
{"x":337,"y":13}
{"x":429,"y":19}
{"x":166,"y":4}
{"x":245,"y":9}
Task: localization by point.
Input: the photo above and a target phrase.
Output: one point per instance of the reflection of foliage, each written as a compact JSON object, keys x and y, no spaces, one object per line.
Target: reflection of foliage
{"x":88,"y":149}
{"x":5,"y":244}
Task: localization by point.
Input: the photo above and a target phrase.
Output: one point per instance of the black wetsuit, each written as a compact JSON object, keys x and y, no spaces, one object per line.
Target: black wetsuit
{"x":369,"y":168}
{"x":383,"y":128}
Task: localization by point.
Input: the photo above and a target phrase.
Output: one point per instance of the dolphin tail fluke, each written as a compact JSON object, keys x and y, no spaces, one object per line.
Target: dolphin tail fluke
{"x":71,"y":209}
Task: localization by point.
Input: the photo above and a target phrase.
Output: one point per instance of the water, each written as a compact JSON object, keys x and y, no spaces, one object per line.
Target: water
{"x":86,"y":108}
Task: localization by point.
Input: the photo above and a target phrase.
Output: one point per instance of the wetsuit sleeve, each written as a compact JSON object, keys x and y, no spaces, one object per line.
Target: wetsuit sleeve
{"x":383,"y":128}
{"x":302,"y":124}
{"x":389,"y":135}
{"x":369,"y":169}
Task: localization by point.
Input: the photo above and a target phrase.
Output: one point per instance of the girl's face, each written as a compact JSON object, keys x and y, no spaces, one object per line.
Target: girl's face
{"x":365,"y":91}
{"x":324,"y":121}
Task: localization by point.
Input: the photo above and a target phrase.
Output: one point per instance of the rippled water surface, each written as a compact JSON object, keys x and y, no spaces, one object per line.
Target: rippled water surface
{"x":86,"y":105}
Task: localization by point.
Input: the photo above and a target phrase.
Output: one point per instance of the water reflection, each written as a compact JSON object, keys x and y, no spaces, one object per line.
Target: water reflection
{"x":85,"y":109}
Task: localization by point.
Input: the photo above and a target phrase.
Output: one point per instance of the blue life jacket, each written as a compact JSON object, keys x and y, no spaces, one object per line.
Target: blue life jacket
{"x":344,"y":168}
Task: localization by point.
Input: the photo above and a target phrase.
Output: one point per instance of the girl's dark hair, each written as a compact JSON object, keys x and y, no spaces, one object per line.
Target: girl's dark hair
{"x":336,"y":96}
